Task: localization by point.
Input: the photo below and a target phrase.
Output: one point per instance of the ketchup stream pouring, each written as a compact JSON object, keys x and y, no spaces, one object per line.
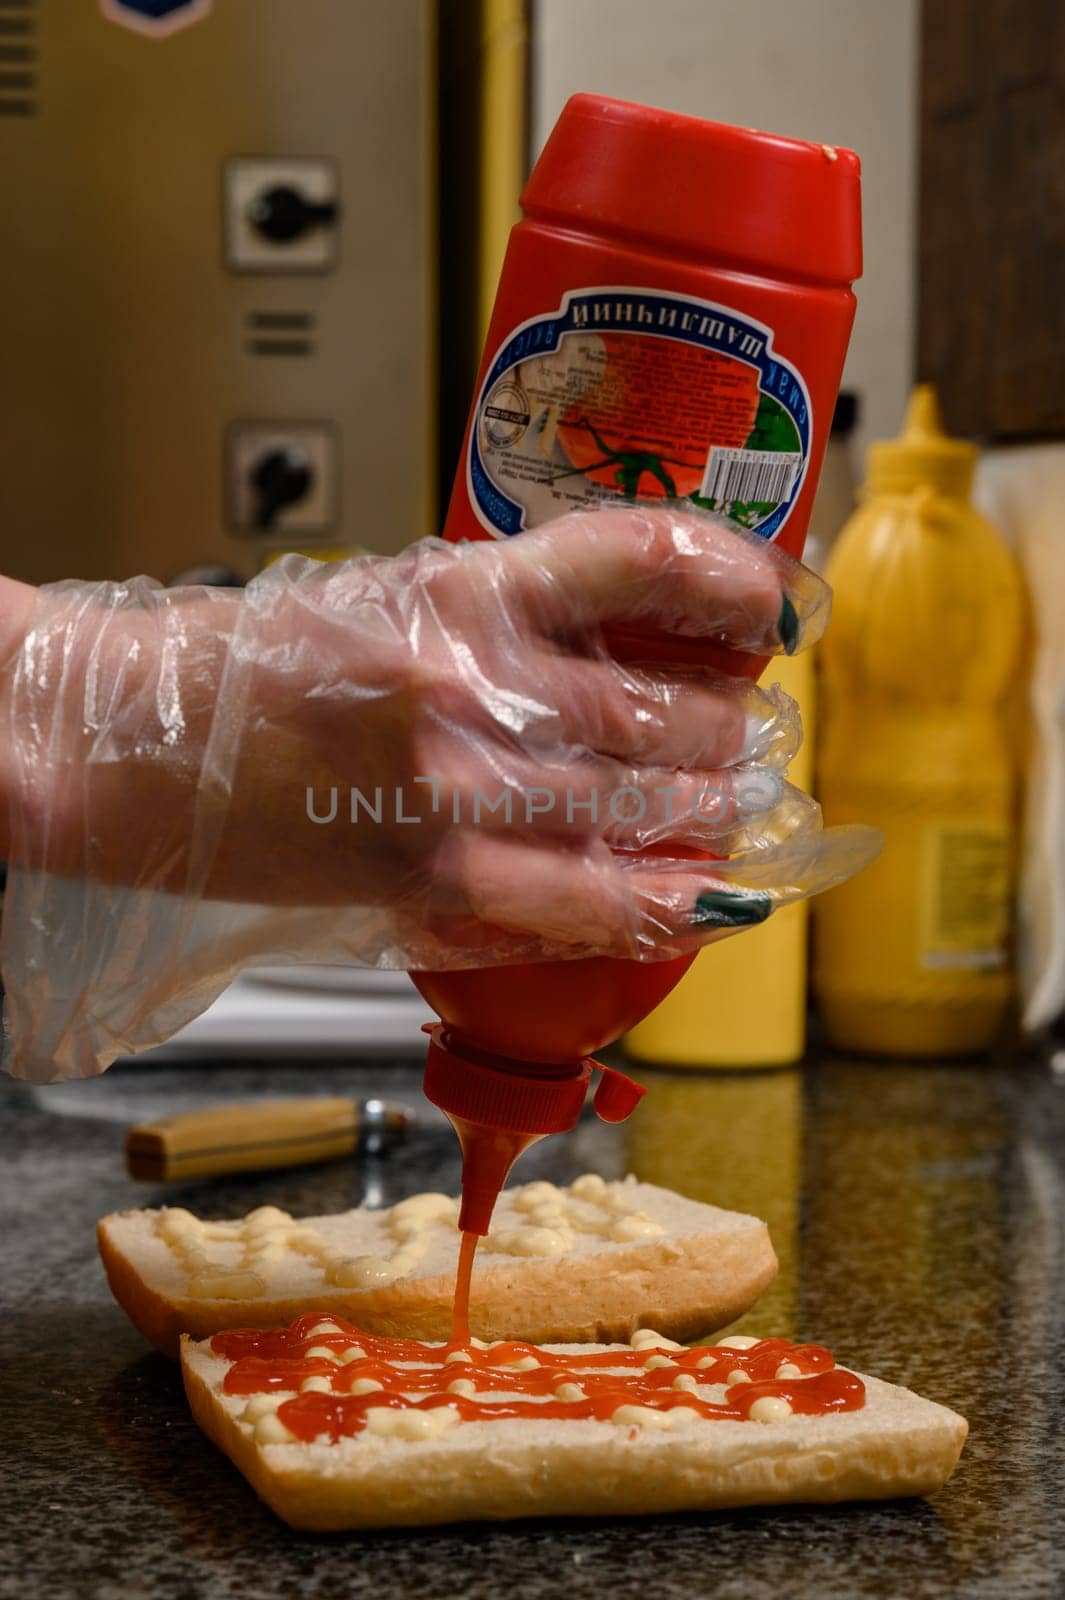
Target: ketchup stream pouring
{"x":735,"y":252}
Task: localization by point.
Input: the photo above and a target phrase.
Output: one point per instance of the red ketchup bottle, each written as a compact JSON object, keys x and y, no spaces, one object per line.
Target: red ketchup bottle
{"x":671,"y":323}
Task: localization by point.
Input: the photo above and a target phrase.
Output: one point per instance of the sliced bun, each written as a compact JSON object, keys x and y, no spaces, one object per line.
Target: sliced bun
{"x":704,"y":1268}
{"x":897,"y":1444}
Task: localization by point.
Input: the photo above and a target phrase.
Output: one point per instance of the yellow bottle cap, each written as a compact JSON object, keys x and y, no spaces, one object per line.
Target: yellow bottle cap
{"x":923,"y":453}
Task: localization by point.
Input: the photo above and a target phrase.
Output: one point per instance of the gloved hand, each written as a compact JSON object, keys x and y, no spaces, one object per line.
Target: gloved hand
{"x":423,"y":761}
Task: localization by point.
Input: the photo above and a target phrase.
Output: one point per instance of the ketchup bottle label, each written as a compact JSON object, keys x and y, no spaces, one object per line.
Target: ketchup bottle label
{"x":632,"y":393}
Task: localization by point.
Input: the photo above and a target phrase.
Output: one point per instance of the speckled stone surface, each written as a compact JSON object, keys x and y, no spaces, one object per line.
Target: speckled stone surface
{"x":919,"y":1215}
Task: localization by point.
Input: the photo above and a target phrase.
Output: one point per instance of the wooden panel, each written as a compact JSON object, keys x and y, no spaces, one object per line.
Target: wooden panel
{"x":991,"y":282}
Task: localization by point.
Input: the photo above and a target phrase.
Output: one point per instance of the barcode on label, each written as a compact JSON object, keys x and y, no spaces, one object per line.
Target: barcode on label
{"x":751,"y":476}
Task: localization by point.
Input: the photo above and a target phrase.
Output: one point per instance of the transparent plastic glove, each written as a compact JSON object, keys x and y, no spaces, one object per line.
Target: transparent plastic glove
{"x":426,"y":761}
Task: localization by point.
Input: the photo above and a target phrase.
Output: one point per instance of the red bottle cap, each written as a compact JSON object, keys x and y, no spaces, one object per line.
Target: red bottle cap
{"x":522,"y":1097}
{"x":781,"y":206}
{"x":499,"y":1108}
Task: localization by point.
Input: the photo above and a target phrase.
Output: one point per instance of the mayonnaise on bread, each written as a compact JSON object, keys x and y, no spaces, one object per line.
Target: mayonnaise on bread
{"x":578,"y":1263}
{"x":234,"y":1260}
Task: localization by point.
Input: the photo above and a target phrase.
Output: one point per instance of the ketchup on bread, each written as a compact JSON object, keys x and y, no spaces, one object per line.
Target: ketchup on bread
{"x":348,"y":1374}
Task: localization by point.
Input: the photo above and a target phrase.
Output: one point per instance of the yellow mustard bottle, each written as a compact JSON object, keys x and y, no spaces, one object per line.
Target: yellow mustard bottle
{"x":920,"y":671}
{"x":742,"y":1003}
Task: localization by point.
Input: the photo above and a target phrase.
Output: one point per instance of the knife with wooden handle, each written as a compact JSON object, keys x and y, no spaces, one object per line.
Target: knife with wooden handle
{"x":259,"y":1135}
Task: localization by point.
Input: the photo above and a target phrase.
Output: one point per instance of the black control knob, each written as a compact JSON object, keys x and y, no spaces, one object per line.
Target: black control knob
{"x":282,"y":214}
{"x":279,"y":479}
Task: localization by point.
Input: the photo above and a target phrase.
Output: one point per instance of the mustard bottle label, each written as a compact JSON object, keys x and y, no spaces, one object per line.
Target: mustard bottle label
{"x":965,"y":897}
{"x":634,"y":394}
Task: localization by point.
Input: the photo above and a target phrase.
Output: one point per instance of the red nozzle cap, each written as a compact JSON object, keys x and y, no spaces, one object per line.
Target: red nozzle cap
{"x":511,"y":1096}
{"x":499,"y":1108}
{"x":617,"y":1096}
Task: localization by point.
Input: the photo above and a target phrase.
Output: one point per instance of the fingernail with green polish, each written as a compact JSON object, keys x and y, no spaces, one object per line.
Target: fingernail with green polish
{"x":719,"y":908}
{"x":788,"y":627}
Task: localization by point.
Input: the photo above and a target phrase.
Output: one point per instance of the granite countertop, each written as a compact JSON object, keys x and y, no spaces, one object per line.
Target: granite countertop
{"x":918,"y":1212}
